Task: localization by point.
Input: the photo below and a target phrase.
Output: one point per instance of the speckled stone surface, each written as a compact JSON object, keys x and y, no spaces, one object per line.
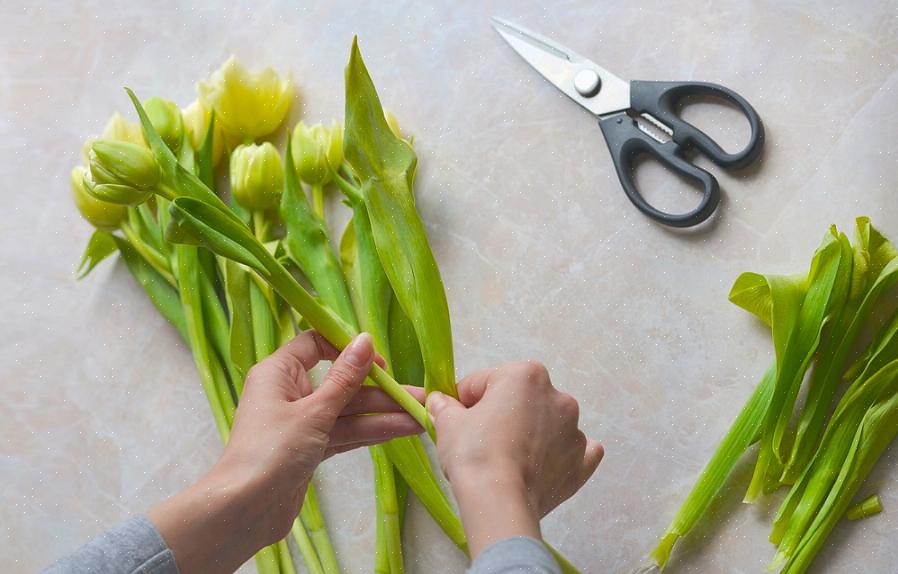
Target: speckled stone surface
{"x":101,"y":413}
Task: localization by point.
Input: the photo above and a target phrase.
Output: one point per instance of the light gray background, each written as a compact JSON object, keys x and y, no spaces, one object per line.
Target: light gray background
{"x":101,"y":413}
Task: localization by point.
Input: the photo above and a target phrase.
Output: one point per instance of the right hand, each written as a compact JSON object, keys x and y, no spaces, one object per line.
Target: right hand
{"x":511,"y":449}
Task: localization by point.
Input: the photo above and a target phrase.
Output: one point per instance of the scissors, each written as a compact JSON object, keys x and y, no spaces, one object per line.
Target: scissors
{"x":617,"y":104}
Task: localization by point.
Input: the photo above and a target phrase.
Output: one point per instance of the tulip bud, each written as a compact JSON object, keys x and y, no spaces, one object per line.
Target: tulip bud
{"x":98,"y":213}
{"x":196,"y":122}
{"x":257,"y":176}
{"x":120,"y":129}
{"x":121,"y":172}
{"x":247,"y":105}
{"x":317,"y":151}
{"x":166,"y":119}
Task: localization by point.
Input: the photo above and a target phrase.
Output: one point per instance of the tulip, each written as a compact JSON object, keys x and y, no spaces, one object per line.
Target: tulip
{"x":100,"y":214}
{"x":166,"y":118}
{"x":317,"y":151}
{"x":257,"y":176}
{"x":121,"y":172}
{"x":196,"y":118}
{"x":247,"y":105}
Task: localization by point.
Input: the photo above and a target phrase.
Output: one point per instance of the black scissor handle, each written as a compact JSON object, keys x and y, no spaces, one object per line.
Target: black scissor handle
{"x":626,"y":141}
{"x":659,"y":99}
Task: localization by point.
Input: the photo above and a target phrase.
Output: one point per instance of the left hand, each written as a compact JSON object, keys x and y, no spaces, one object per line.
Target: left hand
{"x":282,"y":430}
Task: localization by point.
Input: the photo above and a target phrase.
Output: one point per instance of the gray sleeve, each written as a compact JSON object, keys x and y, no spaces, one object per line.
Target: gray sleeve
{"x":132,"y":547}
{"x":515,"y":556}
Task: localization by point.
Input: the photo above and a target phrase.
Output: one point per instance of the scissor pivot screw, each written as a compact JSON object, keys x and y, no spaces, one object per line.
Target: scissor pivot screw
{"x":587,"y":83}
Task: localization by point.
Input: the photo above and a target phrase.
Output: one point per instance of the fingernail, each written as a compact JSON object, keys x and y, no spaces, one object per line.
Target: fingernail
{"x":435,"y":403}
{"x":360,"y":351}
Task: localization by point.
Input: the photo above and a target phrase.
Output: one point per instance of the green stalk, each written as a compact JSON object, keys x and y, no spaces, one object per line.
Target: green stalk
{"x":744,"y":432}
{"x":865,"y":508}
{"x":267,"y":561}
{"x":216,"y":320}
{"x":877,"y":430}
{"x":150,"y":255}
{"x":188,"y":278}
{"x":317,"y":199}
{"x":313,"y":520}
{"x":390,"y":549}
{"x":284,"y":557}
{"x":408,"y":456}
{"x":305,"y":546}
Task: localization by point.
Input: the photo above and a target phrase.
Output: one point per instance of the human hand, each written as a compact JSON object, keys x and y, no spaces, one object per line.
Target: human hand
{"x":282,"y":431}
{"x":511,"y":449}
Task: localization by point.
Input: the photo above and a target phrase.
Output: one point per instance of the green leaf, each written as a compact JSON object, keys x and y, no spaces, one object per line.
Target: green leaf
{"x":384,"y":165}
{"x":308,"y":245}
{"x":408,"y":366}
{"x":100,"y":246}
{"x":217,"y":394}
{"x":264,"y":323}
{"x":163,"y":296}
{"x":237,"y":293}
{"x":372,"y":290}
{"x":218,"y":232}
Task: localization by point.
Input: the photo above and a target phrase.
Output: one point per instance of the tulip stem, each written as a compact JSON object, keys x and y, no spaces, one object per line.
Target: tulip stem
{"x":352,"y":192}
{"x":149,"y":254}
{"x":260,"y":226}
{"x":318,"y":200}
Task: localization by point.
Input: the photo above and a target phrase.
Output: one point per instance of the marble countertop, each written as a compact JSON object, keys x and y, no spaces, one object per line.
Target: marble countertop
{"x":101,"y":413}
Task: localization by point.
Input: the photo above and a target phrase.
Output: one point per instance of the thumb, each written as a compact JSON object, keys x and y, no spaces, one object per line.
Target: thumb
{"x":344,"y":378}
{"x":442,"y":410}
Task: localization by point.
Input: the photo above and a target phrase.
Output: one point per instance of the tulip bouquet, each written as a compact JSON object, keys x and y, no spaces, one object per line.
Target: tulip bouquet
{"x":238,"y":271}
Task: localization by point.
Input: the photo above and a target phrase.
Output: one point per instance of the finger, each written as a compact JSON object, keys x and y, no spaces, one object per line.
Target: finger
{"x":472,"y":388}
{"x":373,"y":400}
{"x":331,"y":451}
{"x":293,"y":359}
{"x":342,"y":381}
{"x":368,"y":428}
{"x":591,"y":459}
{"x":443,"y":409}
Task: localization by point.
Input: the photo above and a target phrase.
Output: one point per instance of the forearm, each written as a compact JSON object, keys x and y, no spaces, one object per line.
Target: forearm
{"x":212,"y":526}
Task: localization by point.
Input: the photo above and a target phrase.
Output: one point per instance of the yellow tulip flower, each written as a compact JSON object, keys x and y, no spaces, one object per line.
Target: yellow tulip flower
{"x":247,"y":105}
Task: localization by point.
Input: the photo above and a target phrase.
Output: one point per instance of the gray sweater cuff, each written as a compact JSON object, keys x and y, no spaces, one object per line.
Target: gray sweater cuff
{"x":132,"y":547}
{"x":519,"y":555}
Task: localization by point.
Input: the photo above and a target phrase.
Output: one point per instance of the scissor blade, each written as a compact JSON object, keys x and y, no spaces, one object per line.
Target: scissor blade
{"x":560,"y":66}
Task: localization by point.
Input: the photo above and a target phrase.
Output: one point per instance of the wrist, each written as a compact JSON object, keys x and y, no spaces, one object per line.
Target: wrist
{"x":495,"y":504}
{"x":211,"y":526}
